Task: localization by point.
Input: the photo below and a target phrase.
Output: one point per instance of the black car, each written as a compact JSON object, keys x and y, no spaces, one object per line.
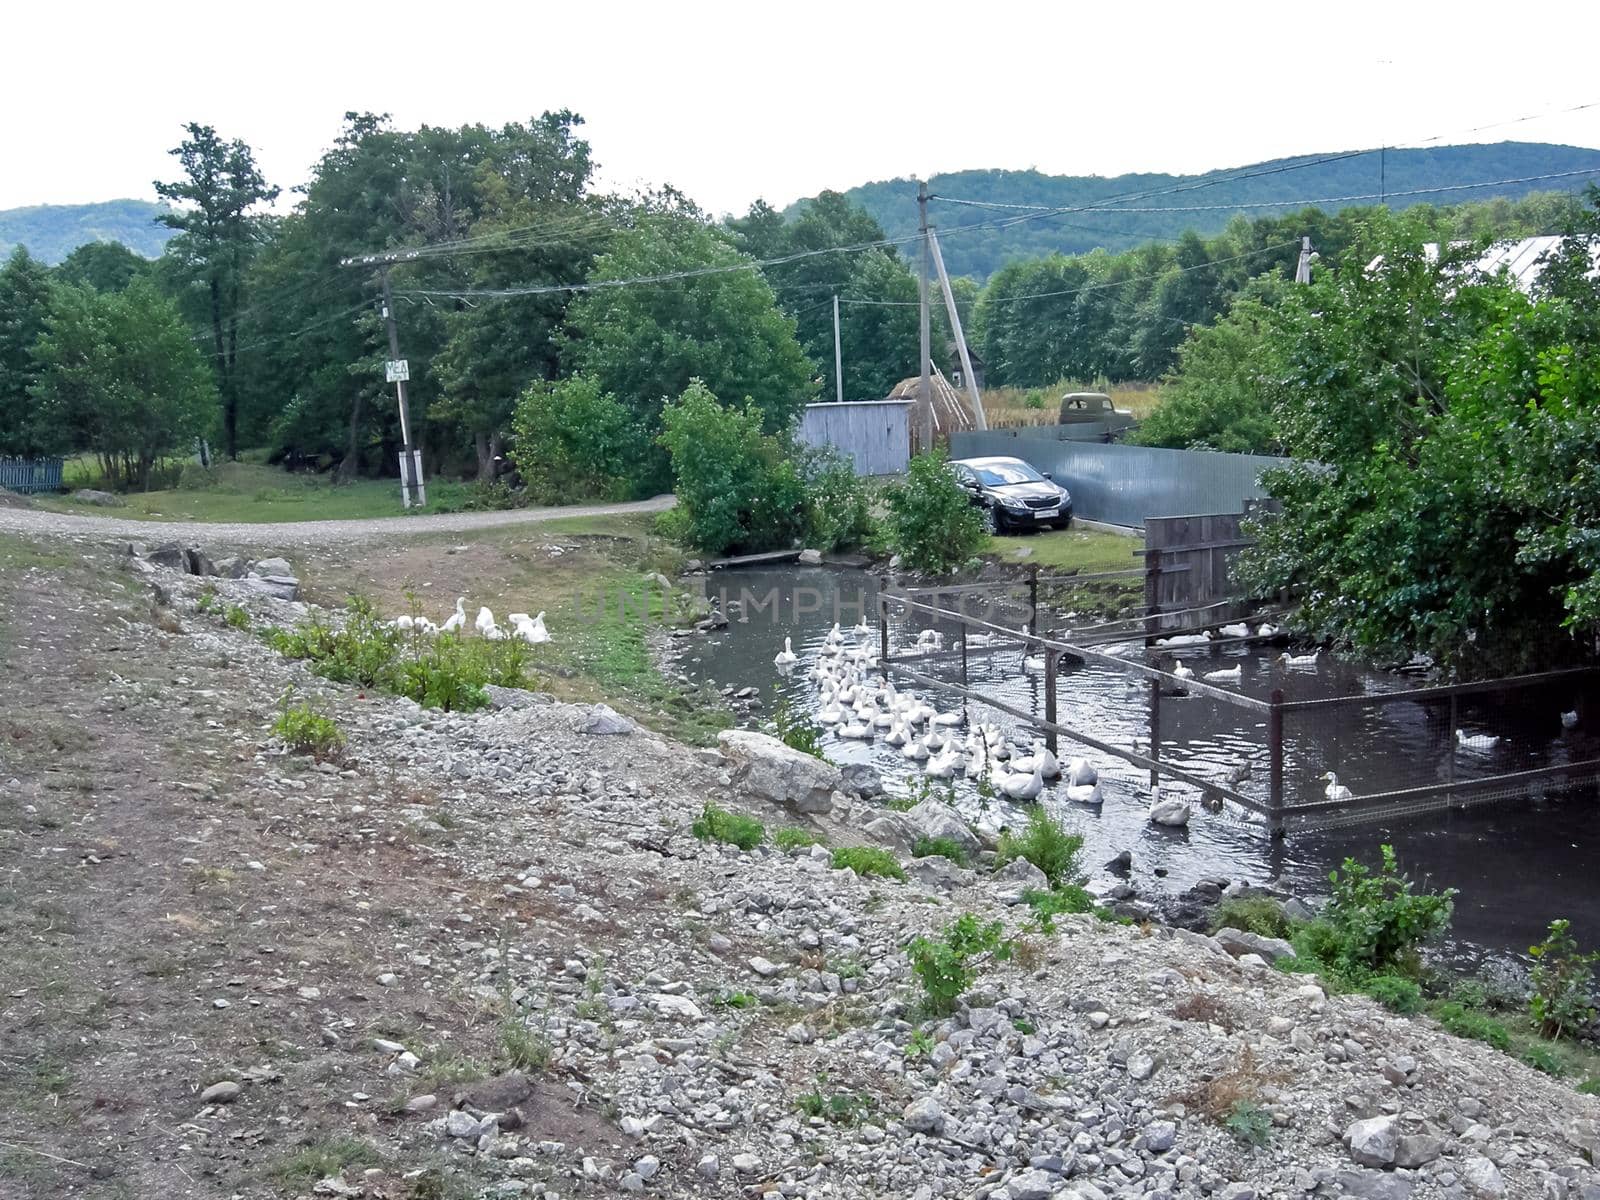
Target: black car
{"x":1012,"y":494}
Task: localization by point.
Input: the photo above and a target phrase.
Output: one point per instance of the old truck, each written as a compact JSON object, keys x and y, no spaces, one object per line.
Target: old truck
{"x":1095,"y":409}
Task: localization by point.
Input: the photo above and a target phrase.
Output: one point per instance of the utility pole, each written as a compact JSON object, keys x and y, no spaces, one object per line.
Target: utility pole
{"x":397,"y":371}
{"x":978,"y":418}
{"x":925,"y":387}
{"x":838,"y":359}
{"x":1302,"y":270}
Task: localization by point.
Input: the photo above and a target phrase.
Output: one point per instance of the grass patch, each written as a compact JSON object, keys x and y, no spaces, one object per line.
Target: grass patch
{"x":1252,"y":914}
{"x":792,"y":837}
{"x":838,"y":1108}
{"x":324,"y":1158}
{"x":868,"y":861}
{"x":940,"y":847}
{"x":1047,"y":845}
{"x":521,"y":1047}
{"x":734,"y":829}
{"x":306,"y":731}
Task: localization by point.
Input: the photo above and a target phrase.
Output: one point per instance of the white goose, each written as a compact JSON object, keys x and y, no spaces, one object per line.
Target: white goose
{"x":457,"y":620}
{"x":1569,"y":720}
{"x":484,"y":622}
{"x":1180,"y":672}
{"x":1085,"y":793}
{"x":1081,"y":771}
{"x":897,"y":735}
{"x":1017,"y":786}
{"x":857,"y":730}
{"x":1171,"y":812}
{"x":1336,"y":790}
{"x":404,"y":622}
{"x":786,"y":657}
{"x":1299,"y":660}
{"x":940,"y":766}
{"x":915,"y":750}
{"x":1226,"y":675}
{"x":1235,"y":631}
{"x":1041,"y":757}
{"x":1478,"y":743}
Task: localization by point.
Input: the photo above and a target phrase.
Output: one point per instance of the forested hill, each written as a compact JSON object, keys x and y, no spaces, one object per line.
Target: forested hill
{"x":53,"y":231}
{"x":1288,"y":186}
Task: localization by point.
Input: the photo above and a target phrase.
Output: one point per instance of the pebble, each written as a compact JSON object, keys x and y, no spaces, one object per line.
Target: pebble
{"x":223,"y":1092}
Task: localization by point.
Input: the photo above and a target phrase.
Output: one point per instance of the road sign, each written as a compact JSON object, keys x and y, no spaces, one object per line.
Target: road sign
{"x":397,"y":370}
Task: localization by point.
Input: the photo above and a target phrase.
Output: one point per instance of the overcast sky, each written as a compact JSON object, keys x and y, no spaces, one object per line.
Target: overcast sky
{"x":731,"y":102}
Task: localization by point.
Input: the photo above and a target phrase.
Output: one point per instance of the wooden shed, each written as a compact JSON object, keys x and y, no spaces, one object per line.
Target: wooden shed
{"x":874,"y":434}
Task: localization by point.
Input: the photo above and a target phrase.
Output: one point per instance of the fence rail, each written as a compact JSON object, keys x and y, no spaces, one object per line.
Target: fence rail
{"x":30,"y":474}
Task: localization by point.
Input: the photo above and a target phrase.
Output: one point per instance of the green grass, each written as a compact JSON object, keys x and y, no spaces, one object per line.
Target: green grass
{"x":940,"y":848}
{"x":792,"y":837}
{"x":1087,"y":550}
{"x":328,"y":1157}
{"x":867,"y":861}
{"x":734,"y":829}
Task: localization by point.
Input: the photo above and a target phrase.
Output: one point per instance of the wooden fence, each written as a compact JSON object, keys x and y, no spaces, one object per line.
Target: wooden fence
{"x":30,"y":474}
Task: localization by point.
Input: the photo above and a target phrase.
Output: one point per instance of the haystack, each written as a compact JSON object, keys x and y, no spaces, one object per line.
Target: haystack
{"x":951,"y":410}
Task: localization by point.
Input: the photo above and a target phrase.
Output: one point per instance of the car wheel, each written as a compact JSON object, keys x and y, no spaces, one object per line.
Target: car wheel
{"x":991,"y":520}
{"x":1065,"y":523}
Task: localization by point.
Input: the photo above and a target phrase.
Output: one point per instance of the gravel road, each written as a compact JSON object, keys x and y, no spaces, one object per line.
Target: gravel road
{"x":302,"y":533}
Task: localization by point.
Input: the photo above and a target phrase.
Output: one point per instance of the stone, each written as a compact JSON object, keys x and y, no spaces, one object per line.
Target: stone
{"x":422,"y":1104}
{"x":1019,"y":876}
{"x":862,"y":779}
{"x":272,"y":566}
{"x":1374,"y":1185}
{"x":196,"y":562}
{"x":811,"y":558}
{"x":923,"y":1115}
{"x":460,"y":1124}
{"x":1141,"y":1066}
{"x":646,"y":1167}
{"x":708,"y":1168}
{"x":936,"y":819}
{"x":223,"y":1092}
{"x":232,"y":567}
{"x":764,"y":967}
{"x":1374,"y":1141}
{"x":99,"y":499}
{"x":893,"y":830}
{"x":1239,"y":942}
{"x":766,"y":768}
{"x":605,"y":721}
{"x":169,"y":555}
{"x":1483,"y":1178}
{"x":631,"y":1182}
{"x":1030,"y":1185}
{"x":1417,"y":1150}
{"x":746,"y":1164}
{"x":680,"y":1007}
{"x":1160,"y":1136}
{"x":280,"y":587}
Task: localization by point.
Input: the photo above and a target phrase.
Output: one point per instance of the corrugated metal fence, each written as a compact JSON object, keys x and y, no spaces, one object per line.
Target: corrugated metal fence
{"x":30,"y":474}
{"x":1122,"y":485}
{"x":874,"y":434}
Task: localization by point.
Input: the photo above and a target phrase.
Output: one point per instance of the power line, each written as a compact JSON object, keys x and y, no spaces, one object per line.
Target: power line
{"x":1096,"y":287}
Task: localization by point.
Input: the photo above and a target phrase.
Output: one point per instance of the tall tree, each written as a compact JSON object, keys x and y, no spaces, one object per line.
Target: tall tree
{"x":218,"y":194}
{"x":25,"y":289}
{"x":104,"y":266}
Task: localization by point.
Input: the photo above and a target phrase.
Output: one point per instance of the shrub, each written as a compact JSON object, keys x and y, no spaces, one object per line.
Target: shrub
{"x":361,"y":651}
{"x":867,"y":861}
{"x":1542,"y":1058}
{"x":1590,"y":1087}
{"x":735,"y":829}
{"x":1559,"y":1003}
{"x":1047,"y":906}
{"x":838,"y":503}
{"x":575,"y":441}
{"x":841,"y":1108}
{"x":1379,"y":921}
{"x":235,"y":617}
{"x":523,"y":1049}
{"x":1249,"y":1123}
{"x":792,"y":727}
{"x":940,"y":847}
{"x":932,"y":524}
{"x":1046,"y":845}
{"x":1253,"y":914}
{"x":451,"y":672}
{"x":737,"y":490}
{"x":946,"y":965}
{"x":792,"y":837}
{"x":1465,"y":1023}
{"x":307,"y":731}
{"x":1395,"y":993}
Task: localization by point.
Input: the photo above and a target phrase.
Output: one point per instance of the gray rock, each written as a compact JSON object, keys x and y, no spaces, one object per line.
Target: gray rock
{"x":196,"y":562}
{"x":764,"y":967}
{"x":282,"y":587}
{"x":810,"y":558}
{"x":1417,"y":1150}
{"x":923,"y":1115}
{"x":422,"y":1104}
{"x":708,"y":1168}
{"x":224,"y":1092}
{"x":1030,"y":1185}
{"x":936,"y":819}
{"x":765,"y":767}
{"x":746,"y":1164}
{"x":504,"y":697}
{"x":1298,"y":910}
{"x":1159,"y":1136}
{"x":1141,"y":1066}
{"x":169,"y":555}
{"x":1374,"y":1141}
{"x":1374,"y":1185}
{"x":1238,"y":942}
{"x":604,"y":721}
{"x":99,"y":499}
{"x":892,"y":830}
{"x":272,"y":566}
{"x":862,"y":779}
{"x":647,"y":1167}
{"x":1483,"y":1178}
{"x":232,"y":567}
{"x":1237,"y":1191}
{"x":460,"y":1124}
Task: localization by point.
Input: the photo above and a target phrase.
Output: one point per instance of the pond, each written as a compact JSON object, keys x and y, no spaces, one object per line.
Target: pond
{"x":1516,"y":864}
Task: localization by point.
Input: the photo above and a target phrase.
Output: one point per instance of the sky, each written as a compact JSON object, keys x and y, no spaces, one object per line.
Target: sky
{"x":731,"y":102}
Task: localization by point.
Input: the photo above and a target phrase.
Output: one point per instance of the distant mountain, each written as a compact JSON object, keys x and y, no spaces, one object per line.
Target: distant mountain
{"x":53,"y":231}
{"x":1282,"y":185}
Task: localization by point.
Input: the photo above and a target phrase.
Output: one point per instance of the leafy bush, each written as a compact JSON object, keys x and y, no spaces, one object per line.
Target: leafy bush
{"x":840,"y":1108}
{"x":1394,"y":992}
{"x":1378,"y":920}
{"x":307,"y":731}
{"x":575,"y":441}
{"x":736,"y":488}
{"x":926,"y":847}
{"x":868,"y":861}
{"x":946,"y":965}
{"x":719,"y":825}
{"x":1590,"y":1087}
{"x":1047,"y":906}
{"x":932,"y":524}
{"x":361,"y":651}
{"x":1561,"y":978}
{"x":795,"y":729}
{"x":1464,"y":1023}
{"x":1047,"y":845}
{"x":838,"y":502}
{"x":1250,"y":1123}
{"x":1253,"y":914}
{"x":1542,"y":1058}
{"x":235,"y":617}
{"x":792,"y":837}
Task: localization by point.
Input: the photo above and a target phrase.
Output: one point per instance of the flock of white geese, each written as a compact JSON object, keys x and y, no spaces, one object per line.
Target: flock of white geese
{"x":519,"y":626}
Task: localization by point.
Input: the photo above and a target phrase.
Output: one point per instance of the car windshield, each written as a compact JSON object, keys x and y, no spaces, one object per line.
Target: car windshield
{"x":1000,"y":474}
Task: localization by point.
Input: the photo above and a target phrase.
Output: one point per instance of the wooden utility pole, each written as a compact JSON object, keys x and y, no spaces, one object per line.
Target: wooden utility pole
{"x":978,"y":417}
{"x":397,"y":371}
{"x":1302,"y":269}
{"x":838,"y":359}
{"x":925,"y":387}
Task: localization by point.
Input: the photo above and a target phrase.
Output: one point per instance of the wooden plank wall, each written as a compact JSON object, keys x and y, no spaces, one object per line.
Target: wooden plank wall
{"x":1205,"y":545}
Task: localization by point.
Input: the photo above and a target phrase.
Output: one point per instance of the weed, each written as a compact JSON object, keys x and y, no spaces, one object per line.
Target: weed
{"x":737,"y":1000}
{"x":522,"y":1047}
{"x":1590,"y":1087}
{"x":1376,"y":921}
{"x":1394,"y":992}
{"x":235,"y":617}
{"x":1023,"y":1026}
{"x":899,"y":803}
{"x":841,"y":1108}
{"x":1561,"y":978}
{"x":918,"y":1045}
{"x":1540,"y":1058}
{"x":1249,"y":1123}
{"x":1205,"y":1010}
{"x":792,"y":837}
{"x":940,"y":847}
{"x":1046,"y":845}
{"x":1465,"y":1023}
{"x":795,"y":729}
{"x":1047,"y":906}
{"x":303,"y":729}
{"x":946,"y":965}
{"x":1253,"y":914}
{"x":716,"y":824}
{"x":325,"y":1158}
{"x":207,"y":600}
{"x":1028,"y":953}
{"x":867,"y":861}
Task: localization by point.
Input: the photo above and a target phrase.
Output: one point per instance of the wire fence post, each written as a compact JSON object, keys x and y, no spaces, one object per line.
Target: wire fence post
{"x":1450,"y":752}
{"x":1051,"y":658}
{"x":963,"y":658}
{"x":883,"y":627}
{"x":1275,"y":771}
{"x":1152,"y":596}
{"x":1155,"y":730}
{"x":1033,"y":598}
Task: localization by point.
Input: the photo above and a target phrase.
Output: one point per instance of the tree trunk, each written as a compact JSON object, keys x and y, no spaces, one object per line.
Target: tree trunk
{"x":220,"y":358}
{"x":480,"y":443}
{"x":351,"y":461}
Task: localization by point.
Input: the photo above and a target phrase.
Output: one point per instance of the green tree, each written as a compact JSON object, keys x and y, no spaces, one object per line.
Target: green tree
{"x":120,"y":377}
{"x":218,"y":193}
{"x":104,"y":266}
{"x":25,"y":290}
{"x":576,"y":442}
{"x":932,"y":523}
